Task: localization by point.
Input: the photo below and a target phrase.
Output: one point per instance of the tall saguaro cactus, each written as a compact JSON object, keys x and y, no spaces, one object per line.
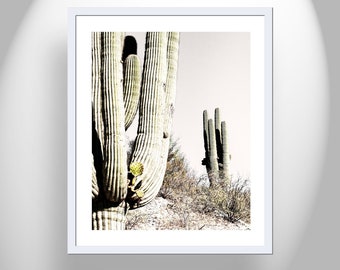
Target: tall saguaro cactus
{"x":217,"y":156}
{"x":119,"y":89}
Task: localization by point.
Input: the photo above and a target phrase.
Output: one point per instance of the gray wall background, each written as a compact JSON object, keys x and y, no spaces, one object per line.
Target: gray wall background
{"x":33,"y":223}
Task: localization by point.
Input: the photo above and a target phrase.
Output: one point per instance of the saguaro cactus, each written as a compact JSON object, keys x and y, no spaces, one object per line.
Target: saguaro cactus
{"x":119,"y":88}
{"x":217,"y":156}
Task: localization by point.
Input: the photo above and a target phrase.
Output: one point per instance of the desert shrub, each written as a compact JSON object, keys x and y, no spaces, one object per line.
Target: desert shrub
{"x":179,"y":180}
{"x":238,"y":201}
{"x":189,"y":195}
{"x":230,"y":201}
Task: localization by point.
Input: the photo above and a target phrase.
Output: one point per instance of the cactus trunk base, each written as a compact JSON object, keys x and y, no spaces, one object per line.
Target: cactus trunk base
{"x":106,"y":216}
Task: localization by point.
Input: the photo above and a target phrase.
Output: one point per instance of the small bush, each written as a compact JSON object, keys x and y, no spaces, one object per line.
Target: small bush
{"x":230,"y":201}
{"x":179,"y":180}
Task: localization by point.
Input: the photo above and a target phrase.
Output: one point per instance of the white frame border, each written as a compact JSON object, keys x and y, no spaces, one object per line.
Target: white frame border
{"x":71,"y":192}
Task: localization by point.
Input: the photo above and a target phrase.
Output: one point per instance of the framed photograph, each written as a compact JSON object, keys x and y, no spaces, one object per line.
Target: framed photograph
{"x":170,"y":131}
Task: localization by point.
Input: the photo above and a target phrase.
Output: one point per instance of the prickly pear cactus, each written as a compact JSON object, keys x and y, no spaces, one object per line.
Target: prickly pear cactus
{"x":217,"y":157}
{"x":120,"y":88}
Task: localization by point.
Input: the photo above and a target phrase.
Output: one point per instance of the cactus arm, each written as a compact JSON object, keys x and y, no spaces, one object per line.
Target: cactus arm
{"x":130,"y":47}
{"x":218,"y":137}
{"x":225,"y":158}
{"x":114,"y":152}
{"x":170,"y":90}
{"x":157,"y":101}
{"x":170,"y":96}
{"x":132,"y":81}
{"x":217,"y":121}
{"x":205,"y":130}
{"x":172,"y":60}
{"x":205,"y":160}
{"x":97,"y":126}
{"x":152,"y":189}
{"x":213,"y":151}
{"x":96,"y":83}
{"x":150,"y":127}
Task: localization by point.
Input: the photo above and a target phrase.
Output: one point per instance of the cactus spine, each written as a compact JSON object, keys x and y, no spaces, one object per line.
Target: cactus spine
{"x":119,"y":89}
{"x":217,"y":156}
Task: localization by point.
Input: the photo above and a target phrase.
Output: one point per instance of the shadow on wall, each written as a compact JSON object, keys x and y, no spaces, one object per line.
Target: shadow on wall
{"x":10,"y":19}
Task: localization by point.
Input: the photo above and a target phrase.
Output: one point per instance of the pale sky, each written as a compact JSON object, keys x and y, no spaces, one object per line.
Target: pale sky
{"x":213,"y":71}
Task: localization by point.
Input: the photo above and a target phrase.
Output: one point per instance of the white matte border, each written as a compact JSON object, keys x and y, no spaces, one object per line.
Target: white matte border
{"x":83,"y":21}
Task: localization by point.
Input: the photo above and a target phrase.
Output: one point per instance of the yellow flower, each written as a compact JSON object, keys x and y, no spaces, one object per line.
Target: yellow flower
{"x":136,"y":168}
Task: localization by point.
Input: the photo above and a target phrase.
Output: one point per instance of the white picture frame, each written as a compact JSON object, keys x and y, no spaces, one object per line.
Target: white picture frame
{"x":82,"y":21}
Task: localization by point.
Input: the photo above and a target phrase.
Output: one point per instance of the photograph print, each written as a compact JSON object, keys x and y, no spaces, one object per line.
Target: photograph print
{"x":189,"y":96}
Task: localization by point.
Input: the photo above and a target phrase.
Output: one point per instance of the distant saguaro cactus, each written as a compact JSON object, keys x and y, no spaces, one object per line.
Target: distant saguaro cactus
{"x":119,"y":89}
{"x":217,"y":156}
